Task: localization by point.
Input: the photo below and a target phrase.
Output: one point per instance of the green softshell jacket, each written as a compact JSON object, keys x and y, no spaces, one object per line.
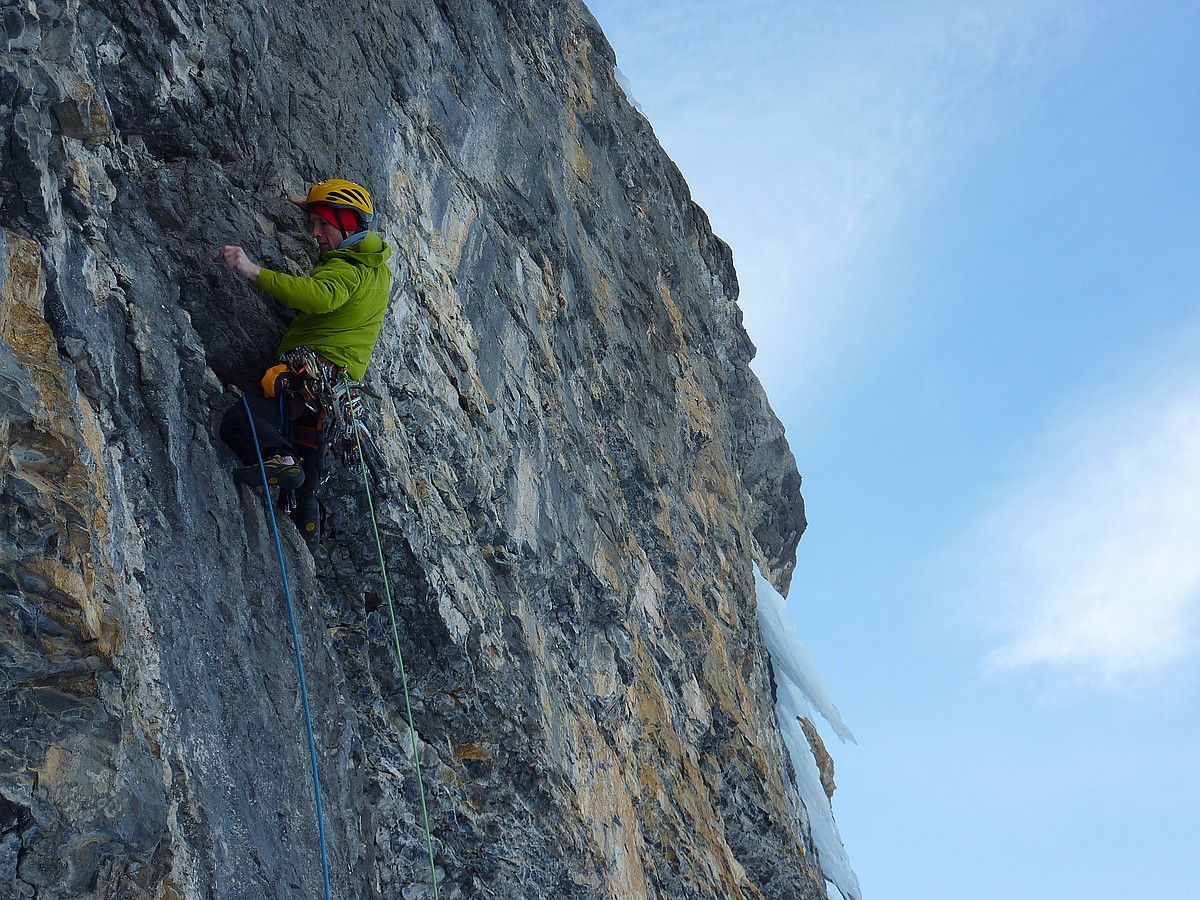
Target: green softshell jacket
{"x":342,"y":303}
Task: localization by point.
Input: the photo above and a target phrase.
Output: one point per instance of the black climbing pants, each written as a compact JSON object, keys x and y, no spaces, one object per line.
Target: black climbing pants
{"x":274,"y":422}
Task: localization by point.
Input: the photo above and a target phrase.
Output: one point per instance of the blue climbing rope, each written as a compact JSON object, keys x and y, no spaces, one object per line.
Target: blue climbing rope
{"x":287,"y":593}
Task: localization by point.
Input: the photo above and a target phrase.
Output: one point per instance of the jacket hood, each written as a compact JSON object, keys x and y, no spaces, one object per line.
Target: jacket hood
{"x":371,"y":251}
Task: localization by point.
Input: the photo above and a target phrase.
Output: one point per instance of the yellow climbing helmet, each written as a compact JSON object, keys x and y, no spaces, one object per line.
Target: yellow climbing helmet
{"x":342,"y":194}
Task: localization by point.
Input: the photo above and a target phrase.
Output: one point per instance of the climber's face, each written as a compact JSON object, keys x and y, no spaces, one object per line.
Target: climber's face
{"x":326,"y":235}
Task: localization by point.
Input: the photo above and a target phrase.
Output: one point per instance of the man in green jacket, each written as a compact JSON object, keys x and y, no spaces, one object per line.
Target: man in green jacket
{"x":341,"y":305}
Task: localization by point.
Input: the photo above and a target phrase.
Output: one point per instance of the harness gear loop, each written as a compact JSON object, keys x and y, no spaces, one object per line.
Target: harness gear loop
{"x":310,"y":375}
{"x":291,"y":609}
{"x":353,"y":411}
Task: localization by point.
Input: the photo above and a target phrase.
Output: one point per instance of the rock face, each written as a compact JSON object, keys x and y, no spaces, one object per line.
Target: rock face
{"x":581,"y":470}
{"x":820,"y":754}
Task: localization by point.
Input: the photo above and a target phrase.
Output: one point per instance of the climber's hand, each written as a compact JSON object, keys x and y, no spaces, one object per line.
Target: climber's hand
{"x":298,"y":199}
{"x":235,"y":258}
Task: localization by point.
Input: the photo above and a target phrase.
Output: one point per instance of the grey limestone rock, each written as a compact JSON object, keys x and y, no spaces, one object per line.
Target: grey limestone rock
{"x":580,"y":465}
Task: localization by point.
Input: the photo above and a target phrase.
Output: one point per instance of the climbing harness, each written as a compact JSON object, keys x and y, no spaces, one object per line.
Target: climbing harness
{"x":291,"y":609}
{"x":304,"y":383}
{"x":352,"y":411}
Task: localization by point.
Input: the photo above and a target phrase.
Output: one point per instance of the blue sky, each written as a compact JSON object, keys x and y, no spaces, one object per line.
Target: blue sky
{"x":968,"y":240}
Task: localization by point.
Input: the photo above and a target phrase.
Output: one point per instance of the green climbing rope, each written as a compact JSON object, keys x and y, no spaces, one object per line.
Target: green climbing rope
{"x":387,"y":592}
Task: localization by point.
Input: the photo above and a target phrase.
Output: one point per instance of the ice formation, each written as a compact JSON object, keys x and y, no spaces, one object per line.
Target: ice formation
{"x":800,"y":691}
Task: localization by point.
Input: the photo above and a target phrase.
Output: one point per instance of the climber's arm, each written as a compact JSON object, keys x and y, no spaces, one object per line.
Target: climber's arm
{"x":329,"y":286}
{"x":235,"y":258}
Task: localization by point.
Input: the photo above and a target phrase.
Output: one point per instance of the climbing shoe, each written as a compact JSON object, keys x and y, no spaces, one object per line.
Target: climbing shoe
{"x":279,"y":474}
{"x":307,"y":516}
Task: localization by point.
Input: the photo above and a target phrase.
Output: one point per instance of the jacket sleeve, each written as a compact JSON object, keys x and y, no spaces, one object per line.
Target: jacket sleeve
{"x":328,"y":287}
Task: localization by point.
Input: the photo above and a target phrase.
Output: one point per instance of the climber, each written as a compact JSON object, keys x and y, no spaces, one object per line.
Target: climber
{"x":341,"y":303}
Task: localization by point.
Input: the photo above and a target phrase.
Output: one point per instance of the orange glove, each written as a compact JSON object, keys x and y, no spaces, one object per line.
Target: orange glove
{"x":272,"y":376}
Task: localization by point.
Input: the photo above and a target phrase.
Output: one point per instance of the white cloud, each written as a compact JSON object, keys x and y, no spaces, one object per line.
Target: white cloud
{"x":1091,"y":563}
